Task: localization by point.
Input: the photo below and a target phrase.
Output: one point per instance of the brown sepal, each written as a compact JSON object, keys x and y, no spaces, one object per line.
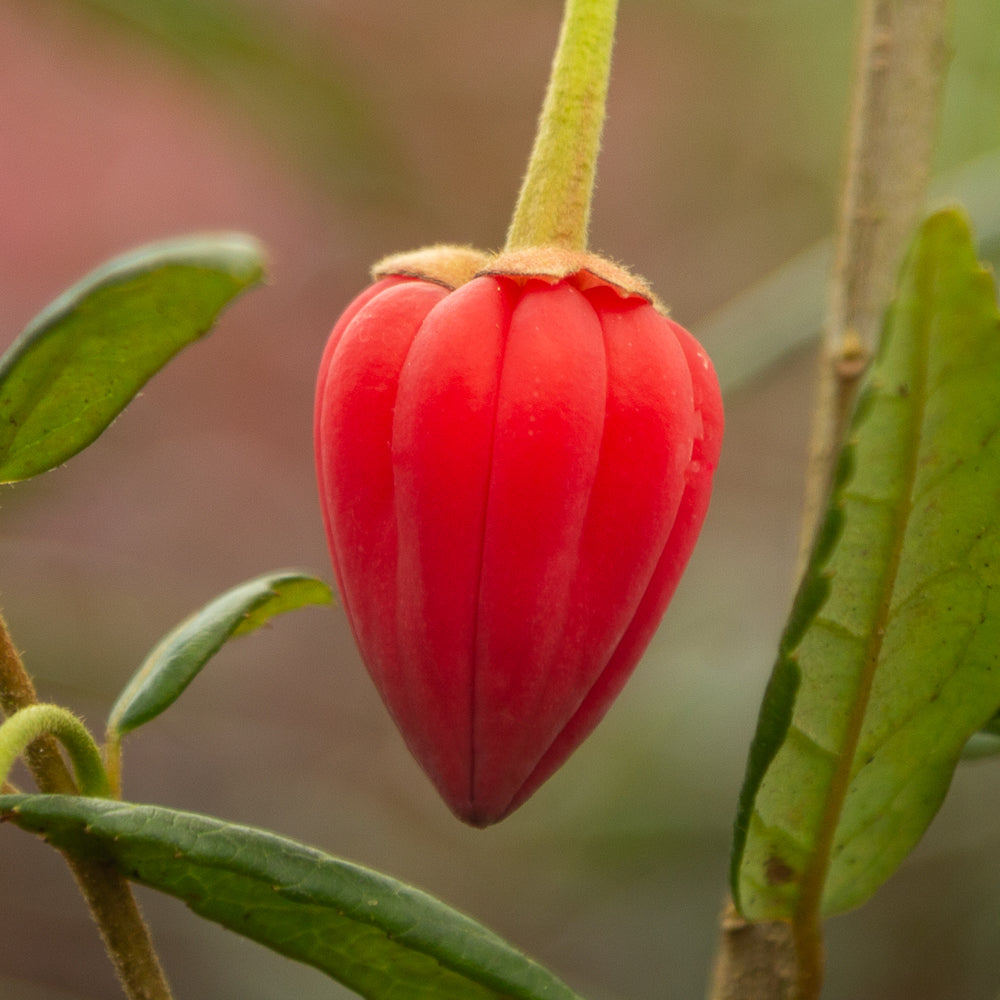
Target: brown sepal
{"x":453,"y":266}
{"x":442,"y":263}
{"x":556,"y":264}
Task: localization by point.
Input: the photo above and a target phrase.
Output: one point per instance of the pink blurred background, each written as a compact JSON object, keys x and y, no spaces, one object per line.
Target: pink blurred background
{"x":337,"y":132}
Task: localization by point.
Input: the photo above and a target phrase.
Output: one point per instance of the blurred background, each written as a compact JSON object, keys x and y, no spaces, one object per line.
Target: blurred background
{"x":337,"y":132}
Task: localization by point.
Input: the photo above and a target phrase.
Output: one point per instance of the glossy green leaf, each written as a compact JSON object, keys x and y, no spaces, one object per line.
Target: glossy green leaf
{"x":79,"y":363}
{"x":379,"y":937}
{"x":891,"y":658}
{"x":181,"y":654}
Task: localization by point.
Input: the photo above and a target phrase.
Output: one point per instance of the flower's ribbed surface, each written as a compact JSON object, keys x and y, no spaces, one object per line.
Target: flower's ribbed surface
{"x":513,"y":476}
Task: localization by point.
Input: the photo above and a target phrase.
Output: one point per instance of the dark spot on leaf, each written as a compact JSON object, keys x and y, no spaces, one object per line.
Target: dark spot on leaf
{"x":777,"y":871}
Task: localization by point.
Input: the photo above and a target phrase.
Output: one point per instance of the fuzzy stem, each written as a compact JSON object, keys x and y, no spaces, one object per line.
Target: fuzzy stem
{"x":106,"y":891}
{"x":26,"y":725}
{"x":553,"y":208}
{"x":16,"y":692}
{"x":113,"y":761}
{"x":123,"y":929}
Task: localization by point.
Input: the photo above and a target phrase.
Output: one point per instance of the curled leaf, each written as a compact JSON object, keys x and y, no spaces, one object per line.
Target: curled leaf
{"x":180,"y":655}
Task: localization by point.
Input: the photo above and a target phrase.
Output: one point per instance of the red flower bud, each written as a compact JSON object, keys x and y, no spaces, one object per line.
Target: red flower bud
{"x":513,"y":475}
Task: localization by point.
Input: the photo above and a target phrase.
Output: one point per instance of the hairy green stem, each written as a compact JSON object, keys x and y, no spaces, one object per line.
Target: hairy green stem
{"x":553,"y":208}
{"x":27,"y":724}
{"x":113,"y":760}
{"x":107,"y":892}
{"x":16,"y":692}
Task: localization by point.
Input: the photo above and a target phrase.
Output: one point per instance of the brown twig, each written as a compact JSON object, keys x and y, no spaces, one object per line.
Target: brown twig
{"x":16,"y":692}
{"x":902,"y":55}
{"x":109,"y":896}
{"x":754,"y":960}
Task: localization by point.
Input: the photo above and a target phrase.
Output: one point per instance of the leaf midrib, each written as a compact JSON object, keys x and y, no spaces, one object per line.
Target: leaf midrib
{"x":809,"y":908}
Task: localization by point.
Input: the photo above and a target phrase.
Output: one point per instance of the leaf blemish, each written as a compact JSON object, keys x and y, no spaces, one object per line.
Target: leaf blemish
{"x":777,"y":871}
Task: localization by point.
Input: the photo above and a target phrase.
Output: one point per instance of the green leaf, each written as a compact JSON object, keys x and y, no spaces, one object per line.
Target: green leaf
{"x":79,"y":363}
{"x":379,"y":937}
{"x":181,"y":654}
{"x":891,"y":659}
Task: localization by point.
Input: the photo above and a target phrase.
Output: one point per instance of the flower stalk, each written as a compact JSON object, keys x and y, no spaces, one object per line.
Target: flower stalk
{"x":553,"y":208}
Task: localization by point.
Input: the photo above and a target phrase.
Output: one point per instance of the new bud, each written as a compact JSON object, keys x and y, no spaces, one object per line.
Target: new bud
{"x":514,"y":468}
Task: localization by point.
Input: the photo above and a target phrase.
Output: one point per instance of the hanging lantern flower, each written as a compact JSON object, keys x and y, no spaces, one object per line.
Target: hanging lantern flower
{"x":515,"y":456}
